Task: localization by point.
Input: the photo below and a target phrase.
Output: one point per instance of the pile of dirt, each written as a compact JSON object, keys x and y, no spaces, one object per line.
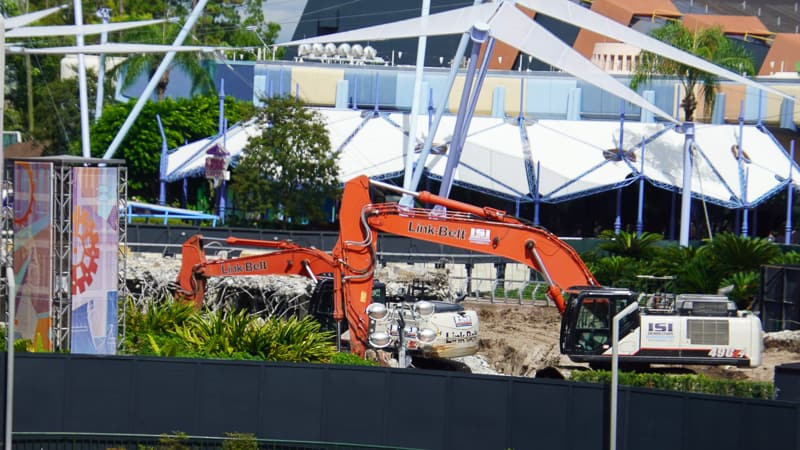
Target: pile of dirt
{"x":521,"y":340}
{"x":517,"y":340}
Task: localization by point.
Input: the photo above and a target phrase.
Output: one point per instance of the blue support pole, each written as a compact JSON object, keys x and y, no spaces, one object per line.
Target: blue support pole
{"x":745,"y":210}
{"x":521,"y":95}
{"x":376,"y":92}
{"x":162,"y":167}
{"x":516,"y":209}
{"x":742,"y":182}
{"x":473,"y":102}
{"x":639,"y":219}
{"x":620,"y":154}
{"x":621,"y":127}
{"x":185,"y":192}
{"x":737,"y":224}
{"x":221,"y":117}
{"x":430,"y":112}
{"x":297,"y":91}
{"x":672,"y":216}
{"x":758,"y":115}
{"x":789,"y":192}
{"x":686,"y":194}
{"x":223,"y":190}
{"x":355,"y":93}
{"x":419,"y":73}
{"x":536,"y":197}
{"x":618,"y":218}
{"x":222,"y":131}
{"x":478,"y":37}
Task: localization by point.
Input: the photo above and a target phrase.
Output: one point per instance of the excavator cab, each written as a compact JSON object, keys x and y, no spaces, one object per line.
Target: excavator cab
{"x":586,"y":323}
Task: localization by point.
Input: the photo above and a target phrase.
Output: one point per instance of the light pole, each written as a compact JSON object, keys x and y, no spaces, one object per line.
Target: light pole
{"x":105,"y":15}
{"x":612,"y":445}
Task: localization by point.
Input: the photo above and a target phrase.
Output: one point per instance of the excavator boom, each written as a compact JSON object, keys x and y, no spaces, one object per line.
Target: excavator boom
{"x":455,"y":224}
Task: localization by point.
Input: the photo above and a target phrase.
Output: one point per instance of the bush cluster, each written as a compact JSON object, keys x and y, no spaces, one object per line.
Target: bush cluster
{"x":726,"y":260}
{"x":682,"y":383}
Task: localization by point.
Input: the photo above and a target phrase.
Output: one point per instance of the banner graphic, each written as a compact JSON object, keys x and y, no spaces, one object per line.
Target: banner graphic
{"x":95,"y":240}
{"x":33,"y":251}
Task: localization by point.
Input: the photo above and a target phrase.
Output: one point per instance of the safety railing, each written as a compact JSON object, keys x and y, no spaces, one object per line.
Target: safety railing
{"x":502,"y":290}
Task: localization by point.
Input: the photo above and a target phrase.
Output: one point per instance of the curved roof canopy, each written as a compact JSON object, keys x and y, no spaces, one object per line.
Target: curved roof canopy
{"x":549,"y":160}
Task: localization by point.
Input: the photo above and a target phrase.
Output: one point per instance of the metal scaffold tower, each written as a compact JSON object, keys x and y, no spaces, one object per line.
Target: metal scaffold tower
{"x":66,"y":249}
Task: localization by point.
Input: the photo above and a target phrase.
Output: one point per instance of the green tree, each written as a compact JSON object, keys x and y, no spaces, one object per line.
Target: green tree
{"x":56,"y":107}
{"x":707,"y":43}
{"x":288,"y":169}
{"x":183,"y":119}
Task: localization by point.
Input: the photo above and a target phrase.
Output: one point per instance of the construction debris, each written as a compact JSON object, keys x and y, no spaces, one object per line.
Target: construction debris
{"x":152,"y":276}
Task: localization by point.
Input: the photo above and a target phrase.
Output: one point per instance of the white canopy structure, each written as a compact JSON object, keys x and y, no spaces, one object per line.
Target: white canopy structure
{"x":563,"y":159}
{"x":25,"y":19}
{"x":113,"y":47}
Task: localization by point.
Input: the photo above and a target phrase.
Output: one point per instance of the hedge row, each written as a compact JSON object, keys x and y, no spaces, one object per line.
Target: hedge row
{"x":683,"y":383}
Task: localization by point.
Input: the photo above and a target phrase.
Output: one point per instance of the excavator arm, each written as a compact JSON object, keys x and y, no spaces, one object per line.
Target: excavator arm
{"x":287,"y":258}
{"x":456,"y":224}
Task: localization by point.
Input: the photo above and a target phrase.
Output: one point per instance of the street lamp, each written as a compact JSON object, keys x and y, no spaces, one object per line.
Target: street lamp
{"x":254,"y":29}
{"x":628,"y":310}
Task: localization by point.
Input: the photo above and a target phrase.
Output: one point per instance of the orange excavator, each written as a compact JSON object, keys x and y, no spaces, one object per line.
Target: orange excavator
{"x":691,"y":329}
{"x":455,"y":329}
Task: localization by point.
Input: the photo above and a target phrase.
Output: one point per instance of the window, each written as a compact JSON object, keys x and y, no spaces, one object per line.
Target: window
{"x":593,"y":313}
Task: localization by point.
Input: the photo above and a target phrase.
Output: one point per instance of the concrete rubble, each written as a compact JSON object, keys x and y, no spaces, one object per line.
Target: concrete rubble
{"x":399,"y":277}
{"x":785,"y":339}
{"x":152,"y":276}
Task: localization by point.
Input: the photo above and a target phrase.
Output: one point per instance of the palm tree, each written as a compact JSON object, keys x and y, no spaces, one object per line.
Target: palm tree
{"x":191,"y":63}
{"x":707,"y":43}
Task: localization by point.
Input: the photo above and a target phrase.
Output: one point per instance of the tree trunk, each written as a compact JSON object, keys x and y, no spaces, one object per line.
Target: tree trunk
{"x":161,"y":87}
{"x":689,"y":104}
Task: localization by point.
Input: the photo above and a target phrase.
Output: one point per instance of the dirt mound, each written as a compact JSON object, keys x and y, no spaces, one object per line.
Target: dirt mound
{"x":518,"y":340}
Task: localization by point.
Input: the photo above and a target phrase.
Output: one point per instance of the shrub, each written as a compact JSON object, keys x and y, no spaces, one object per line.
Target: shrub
{"x":683,"y":383}
{"x":349,"y":359}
